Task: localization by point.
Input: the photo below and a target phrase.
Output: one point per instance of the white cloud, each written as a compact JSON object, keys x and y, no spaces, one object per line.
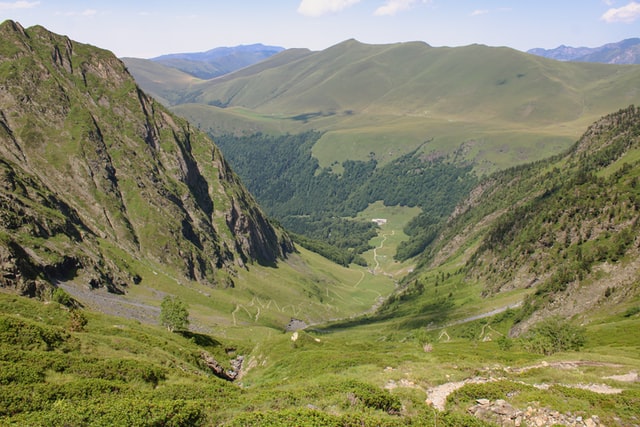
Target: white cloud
{"x":479,"y":12}
{"x":322,"y":7}
{"x":628,"y":13}
{"x":86,"y":12}
{"x":394,"y":6}
{"x":18,"y":5}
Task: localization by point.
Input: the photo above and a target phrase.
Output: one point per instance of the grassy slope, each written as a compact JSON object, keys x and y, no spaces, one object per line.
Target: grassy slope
{"x":306,"y":286}
{"x":167,"y":85}
{"x":500,"y":101}
{"x":321,"y":374}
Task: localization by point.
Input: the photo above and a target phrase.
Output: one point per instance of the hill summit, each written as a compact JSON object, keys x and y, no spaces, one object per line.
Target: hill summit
{"x":91,"y":169}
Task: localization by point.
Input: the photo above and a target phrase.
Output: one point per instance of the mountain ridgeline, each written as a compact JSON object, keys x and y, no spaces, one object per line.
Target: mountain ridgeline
{"x":92,"y":168}
{"x":218,"y":61}
{"x":624,"y":52}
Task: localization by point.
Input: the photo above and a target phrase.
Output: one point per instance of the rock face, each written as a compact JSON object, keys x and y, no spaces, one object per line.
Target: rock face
{"x":503,"y":414}
{"x":90,"y":166}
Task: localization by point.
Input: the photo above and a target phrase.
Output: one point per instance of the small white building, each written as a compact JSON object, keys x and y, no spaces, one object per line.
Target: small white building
{"x":379,"y":221}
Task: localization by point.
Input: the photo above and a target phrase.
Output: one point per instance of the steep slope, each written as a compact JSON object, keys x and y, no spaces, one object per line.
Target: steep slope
{"x":93,"y":166}
{"x":563,"y":232}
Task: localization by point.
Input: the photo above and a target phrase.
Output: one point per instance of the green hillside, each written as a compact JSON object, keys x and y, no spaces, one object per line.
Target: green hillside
{"x":167,"y":85}
{"x":560,"y":233}
{"x":481,"y":107}
{"x":476,"y":107}
{"x":390,"y":98}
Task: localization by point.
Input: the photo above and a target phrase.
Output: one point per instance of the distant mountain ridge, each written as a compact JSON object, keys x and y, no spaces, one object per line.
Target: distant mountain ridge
{"x":218,"y":61}
{"x":624,"y":52}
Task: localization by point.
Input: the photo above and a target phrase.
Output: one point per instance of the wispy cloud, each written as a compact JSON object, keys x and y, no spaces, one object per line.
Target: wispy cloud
{"x":628,"y":13}
{"x":479,"y":12}
{"x":18,"y":5}
{"x":322,"y":7}
{"x":86,"y":12}
{"x":391,"y":7}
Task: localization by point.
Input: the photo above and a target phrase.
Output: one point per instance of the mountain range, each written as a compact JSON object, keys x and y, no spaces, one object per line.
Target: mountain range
{"x":515,"y":299}
{"x":218,"y":61}
{"x":623,"y":52}
{"x":381,"y":108}
{"x":389,"y":99}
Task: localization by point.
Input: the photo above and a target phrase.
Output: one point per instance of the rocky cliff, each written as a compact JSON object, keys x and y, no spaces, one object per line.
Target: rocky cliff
{"x":90,"y":165}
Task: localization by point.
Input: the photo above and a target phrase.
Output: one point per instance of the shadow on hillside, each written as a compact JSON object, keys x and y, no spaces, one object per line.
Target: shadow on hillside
{"x":434,"y":313}
{"x":340,"y":325}
{"x":201,"y":340}
{"x":430,"y":314}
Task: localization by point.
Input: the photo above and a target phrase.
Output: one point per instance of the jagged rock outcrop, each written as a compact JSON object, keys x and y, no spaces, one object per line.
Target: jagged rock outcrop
{"x":88,"y":161}
{"x":219,"y":371}
{"x":502,"y":413}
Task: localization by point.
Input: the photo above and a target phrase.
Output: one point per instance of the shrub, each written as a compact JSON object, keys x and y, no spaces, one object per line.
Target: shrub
{"x":126,"y":370}
{"x":77,"y":320}
{"x":30,"y":336}
{"x":119,"y":412}
{"x":62,"y":297}
{"x":553,"y":335}
{"x":373,"y":397}
{"x":632,"y":311}
{"x":11,"y":372}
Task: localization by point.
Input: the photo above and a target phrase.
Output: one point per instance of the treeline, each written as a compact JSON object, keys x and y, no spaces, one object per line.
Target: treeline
{"x":338,"y":255}
{"x":316,"y":203}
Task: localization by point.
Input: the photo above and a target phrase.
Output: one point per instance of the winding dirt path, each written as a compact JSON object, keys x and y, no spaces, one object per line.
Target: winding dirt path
{"x":375,"y":250}
{"x":437,"y":396}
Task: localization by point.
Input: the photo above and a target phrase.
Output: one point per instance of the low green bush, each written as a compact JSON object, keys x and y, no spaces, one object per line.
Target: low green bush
{"x":125,"y":370}
{"x":553,"y":335}
{"x":19,"y":373}
{"x":127,"y":411}
{"x":373,"y":397}
{"x":23,"y":398}
{"x":632,"y":311}
{"x":28,"y":335}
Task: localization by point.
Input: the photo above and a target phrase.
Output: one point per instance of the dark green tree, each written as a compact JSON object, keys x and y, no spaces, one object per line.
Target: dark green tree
{"x":174,"y":314}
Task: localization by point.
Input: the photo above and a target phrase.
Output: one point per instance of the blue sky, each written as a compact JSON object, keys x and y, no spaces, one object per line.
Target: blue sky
{"x":150,"y":28}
